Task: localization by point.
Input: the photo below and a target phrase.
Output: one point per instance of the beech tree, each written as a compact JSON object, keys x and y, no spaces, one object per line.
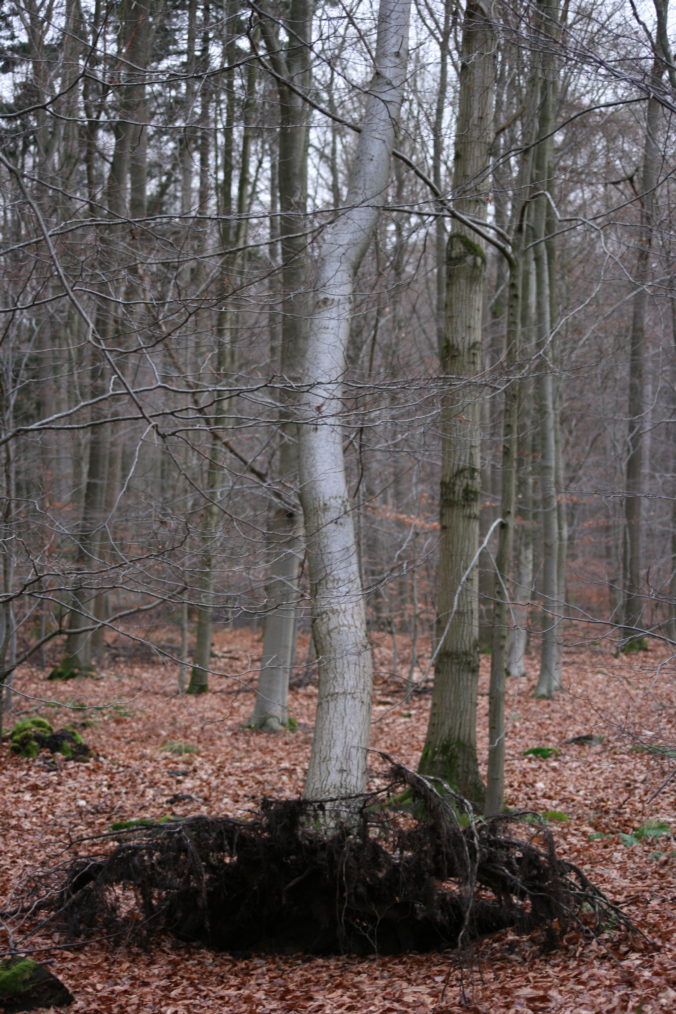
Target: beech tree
{"x":450,"y":745}
{"x":633,"y":617}
{"x":291,"y":68}
{"x":338,"y":761}
{"x":539,"y":230}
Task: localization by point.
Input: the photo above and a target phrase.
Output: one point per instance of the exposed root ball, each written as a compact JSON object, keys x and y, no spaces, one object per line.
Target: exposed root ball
{"x":283,"y":882}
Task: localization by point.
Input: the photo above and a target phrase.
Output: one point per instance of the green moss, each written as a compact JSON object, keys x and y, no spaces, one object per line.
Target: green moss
{"x":454,"y":763}
{"x":36,"y":723}
{"x":542,"y":752}
{"x":197,"y":683}
{"x":633,"y":644}
{"x":28,"y":736}
{"x":32,"y":735}
{"x":461,"y":249}
{"x":402,"y":801}
{"x":70,"y":669}
{"x":656,"y":748}
{"x":138,"y":822}
{"x":179,"y":749}
{"x":77,"y":738}
{"x":652,"y":828}
{"x":16,"y":975}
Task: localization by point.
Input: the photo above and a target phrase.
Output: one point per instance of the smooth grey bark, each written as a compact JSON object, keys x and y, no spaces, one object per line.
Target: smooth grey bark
{"x":449,"y":751}
{"x":284,"y":538}
{"x":446,"y":28}
{"x":549,"y":680}
{"x":235,"y":197}
{"x":517,"y":643}
{"x":495,"y":779}
{"x":523,"y":548}
{"x":339,"y":748}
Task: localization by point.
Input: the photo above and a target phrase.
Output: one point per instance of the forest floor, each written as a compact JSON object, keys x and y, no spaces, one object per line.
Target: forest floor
{"x":159,"y":753}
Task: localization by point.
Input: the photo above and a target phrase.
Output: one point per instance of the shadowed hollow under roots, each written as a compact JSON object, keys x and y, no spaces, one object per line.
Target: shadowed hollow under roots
{"x":423,"y":879}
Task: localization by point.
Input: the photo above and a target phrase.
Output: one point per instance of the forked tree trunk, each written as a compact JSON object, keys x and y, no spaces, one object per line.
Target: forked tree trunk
{"x":450,"y":745}
{"x":339,"y":748}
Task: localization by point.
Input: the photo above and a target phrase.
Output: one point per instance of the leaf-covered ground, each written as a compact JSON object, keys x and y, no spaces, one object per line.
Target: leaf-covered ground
{"x":161,"y":754}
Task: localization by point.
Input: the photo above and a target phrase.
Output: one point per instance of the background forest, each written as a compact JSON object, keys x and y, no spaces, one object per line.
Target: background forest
{"x":173,"y":175}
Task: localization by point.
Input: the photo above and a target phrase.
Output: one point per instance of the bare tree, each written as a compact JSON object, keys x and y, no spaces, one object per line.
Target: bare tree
{"x":291,"y":68}
{"x":450,"y":745}
{"x":633,"y":613}
{"x":338,"y":761}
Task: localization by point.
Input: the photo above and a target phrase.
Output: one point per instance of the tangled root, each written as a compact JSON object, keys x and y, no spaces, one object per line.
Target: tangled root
{"x":286,"y":881}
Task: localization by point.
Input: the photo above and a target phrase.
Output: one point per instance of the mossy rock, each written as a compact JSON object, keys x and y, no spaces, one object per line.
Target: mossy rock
{"x":27,"y":737}
{"x":26,"y":985}
{"x":36,"y":723}
{"x":32,"y":735}
{"x":632,"y":644}
{"x":70,"y":669}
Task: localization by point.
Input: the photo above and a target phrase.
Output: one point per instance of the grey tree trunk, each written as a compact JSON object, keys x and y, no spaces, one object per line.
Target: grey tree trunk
{"x":495,"y":780}
{"x":549,"y":680}
{"x":339,"y":749}
{"x":284,"y":539}
{"x":233,"y":230}
{"x":446,"y":28}
{"x":450,"y":745}
{"x":522,"y":589}
{"x":632,"y":636}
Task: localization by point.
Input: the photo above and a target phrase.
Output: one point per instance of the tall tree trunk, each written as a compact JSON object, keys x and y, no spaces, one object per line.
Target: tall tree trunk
{"x":233,"y":230}
{"x":339,"y":748}
{"x":284,"y":538}
{"x":522,"y":591}
{"x":450,"y":745}
{"x":495,"y":780}
{"x":7,"y":551}
{"x":438,"y":139}
{"x":632,"y":635}
{"x":549,"y":680}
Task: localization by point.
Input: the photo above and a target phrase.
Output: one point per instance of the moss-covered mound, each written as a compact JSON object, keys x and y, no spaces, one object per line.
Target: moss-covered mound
{"x":34,"y":734}
{"x":26,"y":985}
{"x":286,"y":881}
{"x":70,"y":669}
